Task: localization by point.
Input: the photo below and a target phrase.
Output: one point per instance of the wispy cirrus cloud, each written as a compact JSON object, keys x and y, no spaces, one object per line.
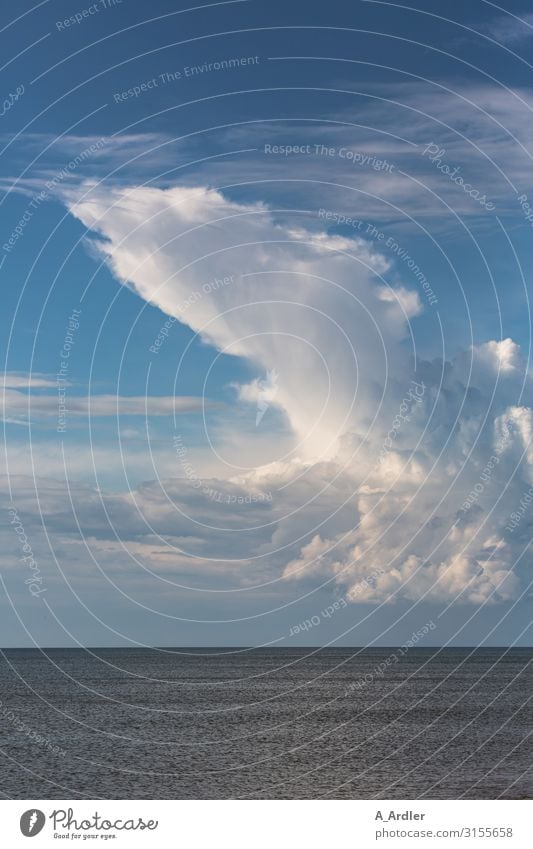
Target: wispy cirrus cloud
{"x":17,"y":403}
{"x":509,"y":28}
{"x":24,"y":380}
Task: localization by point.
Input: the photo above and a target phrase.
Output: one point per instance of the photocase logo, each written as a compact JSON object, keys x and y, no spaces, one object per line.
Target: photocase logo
{"x":32,"y":822}
{"x":268,"y":389}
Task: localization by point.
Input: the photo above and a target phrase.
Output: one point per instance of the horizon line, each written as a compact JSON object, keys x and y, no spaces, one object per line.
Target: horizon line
{"x":255,"y":648}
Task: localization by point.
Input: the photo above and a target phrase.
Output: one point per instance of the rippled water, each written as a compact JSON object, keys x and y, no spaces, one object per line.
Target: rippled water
{"x":266,"y":723}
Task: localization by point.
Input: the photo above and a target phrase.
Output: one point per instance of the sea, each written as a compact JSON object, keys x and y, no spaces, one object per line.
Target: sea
{"x":240,"y":723}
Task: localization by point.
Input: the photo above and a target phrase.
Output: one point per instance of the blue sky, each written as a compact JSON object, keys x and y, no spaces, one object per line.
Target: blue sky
{"x":247,"y":238}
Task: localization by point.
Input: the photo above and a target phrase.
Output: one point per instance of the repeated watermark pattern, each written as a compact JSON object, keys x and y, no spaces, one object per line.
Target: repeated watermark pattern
{"x":526,"y":208}
{"x":356,"y":157}
{"x":11,"y":99}
{"x":340,"y":220}
{"x":64,"y":365}
{"x":479,"y":487}
{"x":486,"y":475}
{"x":88,"y":12}
{"x":186,"y":72}
{"x":370,"y":230}
{"x":44,"y":194}
{"x":162,"y":335}
{"x":368,"y":581}
{"x":388,"y":242}
{"x":380,"y":668}
{"x":7,"y":714}
{"x":413,"y":396}
{"x":34,"y":581}
{"x":214,"y":494}
{"x":436,"y":156}
{"x":182,"y":308}
{"x":315,"y":620}
{"x":376,"y":250}
{"x":517,"y":515}
{"x":336,"y":606}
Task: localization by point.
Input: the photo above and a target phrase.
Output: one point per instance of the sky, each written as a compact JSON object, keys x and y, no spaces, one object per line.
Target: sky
{"x":266,"y":329}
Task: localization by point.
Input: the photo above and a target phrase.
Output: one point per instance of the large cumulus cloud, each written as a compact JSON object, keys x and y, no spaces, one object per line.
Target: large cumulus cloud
{"x":388,"y":449}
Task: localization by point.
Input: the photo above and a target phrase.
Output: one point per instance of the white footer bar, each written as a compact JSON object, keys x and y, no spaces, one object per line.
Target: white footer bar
{"x":253,"y":824}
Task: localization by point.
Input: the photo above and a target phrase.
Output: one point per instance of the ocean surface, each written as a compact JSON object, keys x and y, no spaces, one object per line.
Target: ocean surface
{"x":261,"y":723}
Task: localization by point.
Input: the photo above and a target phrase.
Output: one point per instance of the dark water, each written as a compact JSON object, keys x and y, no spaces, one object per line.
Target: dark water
{"x":266,"y":724}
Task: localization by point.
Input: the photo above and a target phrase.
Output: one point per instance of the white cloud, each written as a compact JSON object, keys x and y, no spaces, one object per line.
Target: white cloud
{"x":294,"y":299}
{"x":409,"y":301}
{"x":19,"y":403}
{"x":503,"y":356}
{"x":509,"y":28}
{"x":22,"y":380}
{"x":315,"y":310}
